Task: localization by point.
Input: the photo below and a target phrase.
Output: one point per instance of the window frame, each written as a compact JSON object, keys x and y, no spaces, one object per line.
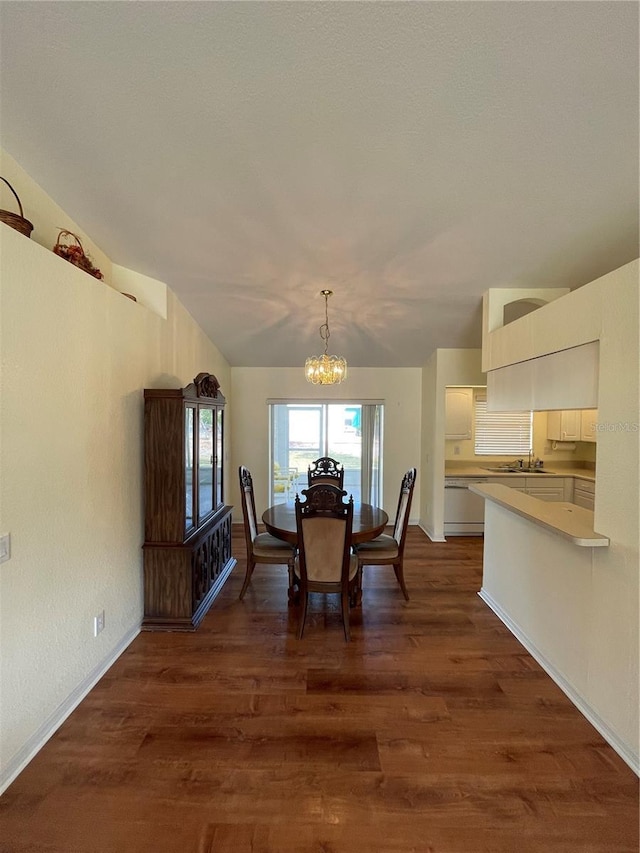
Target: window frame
{"x":369,"y":489}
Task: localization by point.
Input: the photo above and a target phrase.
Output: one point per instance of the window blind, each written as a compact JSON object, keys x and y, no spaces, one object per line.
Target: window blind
{"x":501,"y":433}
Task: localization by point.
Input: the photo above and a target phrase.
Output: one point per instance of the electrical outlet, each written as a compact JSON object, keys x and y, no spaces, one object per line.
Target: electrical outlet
{"x":456,"y":450}
{"x":98,"y":623}
{"x":5,"y":547}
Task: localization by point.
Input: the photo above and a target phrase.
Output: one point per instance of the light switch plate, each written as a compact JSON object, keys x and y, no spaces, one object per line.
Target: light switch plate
{"x":5,"y":547}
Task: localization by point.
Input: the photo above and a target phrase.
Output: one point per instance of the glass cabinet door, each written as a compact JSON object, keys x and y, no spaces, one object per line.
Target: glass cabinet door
{"x":205,"y":462}
{"x":189,"y":456}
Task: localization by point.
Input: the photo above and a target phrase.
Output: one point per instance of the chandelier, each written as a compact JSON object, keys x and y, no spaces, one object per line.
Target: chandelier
{"x":325,"y":369}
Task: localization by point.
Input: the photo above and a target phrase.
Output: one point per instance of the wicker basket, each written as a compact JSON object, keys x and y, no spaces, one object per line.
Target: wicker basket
{"x":18,"y":222}
{"x":74,"y":253}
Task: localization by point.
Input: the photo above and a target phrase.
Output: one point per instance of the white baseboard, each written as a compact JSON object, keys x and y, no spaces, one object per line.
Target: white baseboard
{"x":596,"y":721}
{"x":430,"y":533}
{"x":35,"y":743}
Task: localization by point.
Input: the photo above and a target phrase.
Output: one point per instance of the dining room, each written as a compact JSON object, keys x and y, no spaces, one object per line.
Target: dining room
{"x":416,"y":158}
{"x":411,"y":397}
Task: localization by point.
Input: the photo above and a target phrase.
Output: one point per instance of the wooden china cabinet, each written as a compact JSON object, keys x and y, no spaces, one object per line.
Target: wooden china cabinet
{"x":187,"y":528}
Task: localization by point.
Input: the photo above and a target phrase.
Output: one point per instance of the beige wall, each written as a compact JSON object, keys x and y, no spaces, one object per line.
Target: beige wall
{"x":399,"y":389}
{"x":444,"y":367}
{"x":431,"y":454}
{"x":75,"y":357}
{"x":591,"y":640}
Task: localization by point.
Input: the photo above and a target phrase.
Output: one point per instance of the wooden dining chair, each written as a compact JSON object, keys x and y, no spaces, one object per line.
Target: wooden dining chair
{"x":261,"y":547}
{"x":388,"y":550}
{"x":325,"y":561}
{"x":326,"y":470}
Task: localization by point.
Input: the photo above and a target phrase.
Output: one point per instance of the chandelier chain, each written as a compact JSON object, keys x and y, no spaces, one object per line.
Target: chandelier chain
{"x":325,"y":369}
{"x":325,"y":334}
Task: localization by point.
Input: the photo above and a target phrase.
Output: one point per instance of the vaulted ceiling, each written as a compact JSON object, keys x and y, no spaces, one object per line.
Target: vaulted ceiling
{"x":406,"y":155}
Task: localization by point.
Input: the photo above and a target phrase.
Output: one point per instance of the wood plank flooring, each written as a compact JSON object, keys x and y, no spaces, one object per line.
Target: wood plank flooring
{"x":433,"y":731}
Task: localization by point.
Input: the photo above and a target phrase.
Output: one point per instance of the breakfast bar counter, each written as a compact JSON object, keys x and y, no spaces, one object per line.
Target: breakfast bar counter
{"x":572,"y":522}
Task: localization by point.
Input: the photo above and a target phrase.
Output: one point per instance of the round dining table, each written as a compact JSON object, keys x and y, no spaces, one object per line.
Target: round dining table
{"x":368,"y":522}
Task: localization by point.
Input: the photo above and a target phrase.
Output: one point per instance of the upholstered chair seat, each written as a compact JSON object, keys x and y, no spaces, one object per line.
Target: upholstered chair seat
{"x":389,"y":550}
{"x":325,"y":561}
{"x":266,"y":545}
{"x":383,"y":546}
{"x":261,"y":547}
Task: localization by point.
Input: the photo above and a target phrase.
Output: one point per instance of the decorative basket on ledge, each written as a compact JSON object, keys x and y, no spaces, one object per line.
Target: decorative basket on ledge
{"x":74,"y":253}
{"x":18,"y":222}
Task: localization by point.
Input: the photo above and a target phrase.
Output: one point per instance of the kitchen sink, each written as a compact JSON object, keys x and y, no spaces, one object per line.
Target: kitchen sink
{"x":511,"y":470}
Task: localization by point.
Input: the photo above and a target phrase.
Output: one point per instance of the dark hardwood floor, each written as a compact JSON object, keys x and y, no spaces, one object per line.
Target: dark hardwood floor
{"x":433,"y":731}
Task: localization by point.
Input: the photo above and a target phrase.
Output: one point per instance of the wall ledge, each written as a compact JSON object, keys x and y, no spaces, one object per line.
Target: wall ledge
{"x":148,"y":291}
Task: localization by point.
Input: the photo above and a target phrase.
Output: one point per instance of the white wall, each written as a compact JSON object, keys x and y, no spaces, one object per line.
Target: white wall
{"x":431,"y":454}
{"x":499,"y":301}
{"x":444,"y":367}
{"x":599,"y":591}
{"x":75,"y":358}
{"x":399,"y":389}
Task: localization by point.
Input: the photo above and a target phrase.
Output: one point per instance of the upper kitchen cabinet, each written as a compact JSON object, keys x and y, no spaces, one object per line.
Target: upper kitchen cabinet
{"x":588,"y":422}
{"x":564,"y":426}
{"x":572,"y":425}
{"x":458,"y":413}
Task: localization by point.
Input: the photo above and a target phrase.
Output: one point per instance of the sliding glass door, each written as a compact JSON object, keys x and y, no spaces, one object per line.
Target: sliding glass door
{"x":348,"y":432}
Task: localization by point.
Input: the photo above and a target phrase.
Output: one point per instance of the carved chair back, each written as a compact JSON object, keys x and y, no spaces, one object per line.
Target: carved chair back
{"x":404,"y":506}
{"x":327,"y":470}
{"x":248,"y":506}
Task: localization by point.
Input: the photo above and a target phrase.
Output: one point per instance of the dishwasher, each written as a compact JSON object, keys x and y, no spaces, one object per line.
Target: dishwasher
{"x":463,"y":511}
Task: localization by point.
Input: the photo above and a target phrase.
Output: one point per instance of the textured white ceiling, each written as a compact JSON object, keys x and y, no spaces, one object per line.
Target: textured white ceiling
{"x":407,"y":155}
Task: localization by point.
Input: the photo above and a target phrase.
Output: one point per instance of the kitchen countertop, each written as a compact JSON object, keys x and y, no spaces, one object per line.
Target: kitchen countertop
{"x":461,"y":470}
{"x":572,"y":522}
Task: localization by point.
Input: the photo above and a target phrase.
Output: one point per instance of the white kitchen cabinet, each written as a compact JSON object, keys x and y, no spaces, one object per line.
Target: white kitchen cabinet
{"x":458,"y":413}
{"x":565,"y":378}
{"x":549,"y":490}
{"x":584,"y":493}
{"x":588,"y":421}
{"x":464,"y":511}
{"x":564,"y":425}
{"x":545,"y":488}
{"x":516,"y":483}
